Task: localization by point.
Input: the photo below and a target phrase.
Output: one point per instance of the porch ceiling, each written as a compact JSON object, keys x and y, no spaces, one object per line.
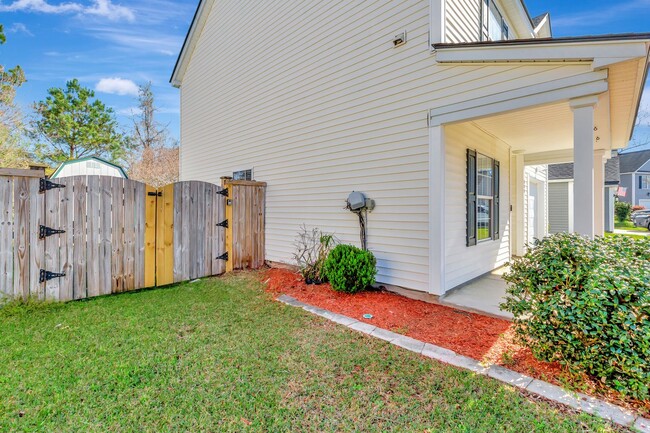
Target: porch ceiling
{"x":540,"y":129}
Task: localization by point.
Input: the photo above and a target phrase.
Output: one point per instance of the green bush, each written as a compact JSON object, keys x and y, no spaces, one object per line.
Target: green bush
{"x":586,"y":304}
{"x":623,"y":211}
{"x":350,"y":269}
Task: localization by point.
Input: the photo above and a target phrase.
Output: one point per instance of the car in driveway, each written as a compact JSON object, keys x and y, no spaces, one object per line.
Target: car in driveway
{"x":641,"y":219}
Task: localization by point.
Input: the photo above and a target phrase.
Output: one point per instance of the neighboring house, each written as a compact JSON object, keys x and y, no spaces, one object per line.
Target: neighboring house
{"x":436,"y":109}
{"x":635,"y":178}
{"x":88,"y":166}
{"x":560,"y":195}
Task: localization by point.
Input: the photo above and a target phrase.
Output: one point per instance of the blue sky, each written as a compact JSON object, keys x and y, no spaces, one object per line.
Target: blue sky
{"x":112,"y":45}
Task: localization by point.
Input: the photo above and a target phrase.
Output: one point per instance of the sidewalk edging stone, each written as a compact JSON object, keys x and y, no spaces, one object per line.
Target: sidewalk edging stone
{"x":549,"y":391}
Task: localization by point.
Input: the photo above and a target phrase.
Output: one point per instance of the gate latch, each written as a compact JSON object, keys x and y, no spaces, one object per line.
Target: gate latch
{"x":47,"y":275}
{"x":44,"y":232}
{"x":223,"y":223}
{"x":155,"y":193}
{"x":46,"y":185}
{"x":223,"y":257}
{"x":223,"y":192}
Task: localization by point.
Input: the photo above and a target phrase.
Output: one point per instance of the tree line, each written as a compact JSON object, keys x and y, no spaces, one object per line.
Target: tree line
{"x":71,"y":122}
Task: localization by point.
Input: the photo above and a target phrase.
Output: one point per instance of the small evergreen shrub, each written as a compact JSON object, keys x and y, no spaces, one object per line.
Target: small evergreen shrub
{"x":586,"y":304}
{"x":623,"y":211}
{"x":350,"y":269}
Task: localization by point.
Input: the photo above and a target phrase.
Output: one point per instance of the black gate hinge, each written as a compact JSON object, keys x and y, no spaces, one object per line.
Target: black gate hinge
{"x":46,"y":185}
{"x":223,"y":257}
{"x":47,"y":275}
{"x":223,"y":192}
{"x":223,"y":223}
{"x":44,"y":232}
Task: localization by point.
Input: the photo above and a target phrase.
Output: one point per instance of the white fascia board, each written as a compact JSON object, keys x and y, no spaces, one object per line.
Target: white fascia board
{"x":547,"y":53}
{"x":190,"y":41}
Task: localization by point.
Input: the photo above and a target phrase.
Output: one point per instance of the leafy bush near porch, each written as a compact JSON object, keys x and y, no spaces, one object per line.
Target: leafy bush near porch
{"x":623,"y":211}
{"x":586,"y":304}
{"x":350,"y":269}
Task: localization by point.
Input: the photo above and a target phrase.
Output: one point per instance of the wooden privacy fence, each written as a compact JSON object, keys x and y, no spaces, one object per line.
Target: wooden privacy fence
{"x":87,"y":236}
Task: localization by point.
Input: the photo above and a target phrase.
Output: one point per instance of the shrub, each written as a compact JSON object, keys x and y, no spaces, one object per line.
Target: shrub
{"x":312,"y":248}
{"x":350,"y":269}
{"x":623,"y":211}
{"x":586,"y":304}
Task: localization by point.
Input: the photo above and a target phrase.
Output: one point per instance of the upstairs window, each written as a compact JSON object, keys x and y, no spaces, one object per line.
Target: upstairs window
{"x":644,"y":182}
{"x":494,"y":25}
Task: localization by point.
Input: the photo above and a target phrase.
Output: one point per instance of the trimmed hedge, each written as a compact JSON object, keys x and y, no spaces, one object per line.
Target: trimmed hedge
{"x":350,"y":269}
{"x":586,"y":304}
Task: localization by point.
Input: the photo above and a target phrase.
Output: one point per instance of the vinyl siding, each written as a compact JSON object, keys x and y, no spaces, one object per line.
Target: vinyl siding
{"x":558,"y":207}
{"x":88,"y":168}
{"x":538,"y":173}
{"x":464,"y":263}
{"x":463,"y":20}
{"x":314,"y":98}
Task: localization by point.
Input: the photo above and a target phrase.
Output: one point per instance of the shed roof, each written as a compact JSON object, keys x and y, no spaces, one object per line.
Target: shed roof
{"x":87,"y":158}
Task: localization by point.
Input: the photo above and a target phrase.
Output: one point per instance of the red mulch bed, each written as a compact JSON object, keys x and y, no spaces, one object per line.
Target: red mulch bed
{"x":474,"y":335}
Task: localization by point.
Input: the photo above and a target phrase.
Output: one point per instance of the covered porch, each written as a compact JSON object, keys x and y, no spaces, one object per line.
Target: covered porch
{"x":576,"y":101}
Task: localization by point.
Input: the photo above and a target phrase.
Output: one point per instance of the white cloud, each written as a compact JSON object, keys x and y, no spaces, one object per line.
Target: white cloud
{"x":19,"y":28}
{"x":131,"y":111}
{"x":101,"y":8}
{"x":117,"y":86}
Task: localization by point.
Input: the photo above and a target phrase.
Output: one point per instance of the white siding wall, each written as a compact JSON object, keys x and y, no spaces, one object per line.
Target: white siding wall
{"x":558,"y":207}
{"x":89,"y":168}
{"x":314,"y":98}
{"x":463,"y":262}
{"x":462,"y":20}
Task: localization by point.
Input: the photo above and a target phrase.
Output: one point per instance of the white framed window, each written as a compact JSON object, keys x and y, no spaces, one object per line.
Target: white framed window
{"x":644,"y":181}
{"x":494,"y":26}
{"x":483,"y":174}
{"x":243,"y":174}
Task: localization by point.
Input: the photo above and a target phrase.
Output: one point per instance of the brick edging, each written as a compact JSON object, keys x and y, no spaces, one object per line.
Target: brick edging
{"x":549,"y":391}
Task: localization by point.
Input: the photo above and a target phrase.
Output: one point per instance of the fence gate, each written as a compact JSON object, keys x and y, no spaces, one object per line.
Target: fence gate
{"x":86,"y":236}
{"x":245,"y":212}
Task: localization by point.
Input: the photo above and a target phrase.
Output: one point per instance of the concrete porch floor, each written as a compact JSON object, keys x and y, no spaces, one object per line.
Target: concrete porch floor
{"x":482,"y":295}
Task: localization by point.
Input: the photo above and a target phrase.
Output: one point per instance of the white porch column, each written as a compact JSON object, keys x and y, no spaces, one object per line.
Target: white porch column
{"x":600,"y":157}
{"x":518,"y":223}
{"x":437,"y":210}
{"x":583,"y":157}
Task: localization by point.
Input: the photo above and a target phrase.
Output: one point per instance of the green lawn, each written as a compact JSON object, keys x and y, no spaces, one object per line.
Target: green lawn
{"x":219,"y":355}
{"x":626,"y":234}
{"x":629,"y":225}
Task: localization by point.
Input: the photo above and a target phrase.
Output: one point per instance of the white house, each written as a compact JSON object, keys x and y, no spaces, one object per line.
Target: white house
{"x":635,"y":177}
{"x":90,"y":165}
{"x":440,"y":110}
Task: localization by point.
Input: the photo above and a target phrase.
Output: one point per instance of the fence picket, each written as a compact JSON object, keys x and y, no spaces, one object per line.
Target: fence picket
{"x":178,"y":232}
{"x":129,"y":235}
{"x":105,"y":236}
{"x":66,"y":240}
{"x":139,"y":210}
{"x":52,"y":247}
{"x":6,"y":236}
{"x":36,"y":247}
{"x":92,"y":239}
{"x":79,"y":281}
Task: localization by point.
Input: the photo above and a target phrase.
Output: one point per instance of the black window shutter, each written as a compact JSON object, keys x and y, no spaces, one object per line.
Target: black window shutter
{"x":471,"y":198}
{"x":640,"y":182}
{"x":495,"y":213}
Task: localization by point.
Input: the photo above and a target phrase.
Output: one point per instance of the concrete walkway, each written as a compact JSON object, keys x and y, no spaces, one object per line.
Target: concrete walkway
{"x":632,"y":232}
{"x":551,"y":392}
{"x":482,"y":295}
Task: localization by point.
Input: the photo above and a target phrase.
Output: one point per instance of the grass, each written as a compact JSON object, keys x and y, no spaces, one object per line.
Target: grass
{"x":629,"y":226}
{"x":625,"y":234}
{"x":220,"y":356}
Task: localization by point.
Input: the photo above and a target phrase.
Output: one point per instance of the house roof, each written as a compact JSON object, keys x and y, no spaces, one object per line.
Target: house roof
{"x":633,"y":161}
{"x":565,"y":171}
{"x":538,"y":19}
{"x":88,"y":158}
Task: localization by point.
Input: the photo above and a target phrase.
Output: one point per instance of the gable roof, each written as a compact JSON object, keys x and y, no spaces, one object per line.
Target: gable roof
{"x":565,"y":171}
{"x":88,"y":158}
{"x":633,"y":161}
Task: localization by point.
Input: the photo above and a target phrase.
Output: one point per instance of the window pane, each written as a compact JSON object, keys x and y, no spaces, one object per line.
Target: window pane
{"x":484,"y":175}
{"x":495,"y":24}
{"x":484,"y":219}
